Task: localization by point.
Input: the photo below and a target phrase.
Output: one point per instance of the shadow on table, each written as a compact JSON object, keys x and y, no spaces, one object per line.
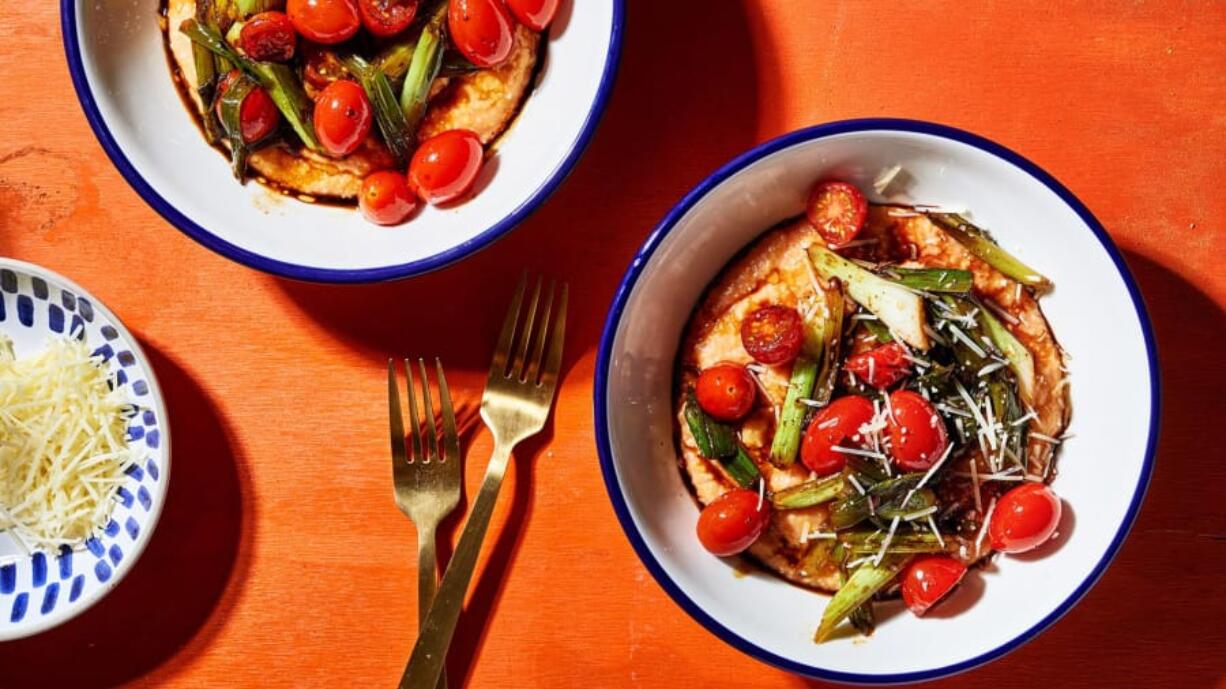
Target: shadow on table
{"x":685,"y":102}
{"x":1156,"y":610}
{"x":178,"y":594}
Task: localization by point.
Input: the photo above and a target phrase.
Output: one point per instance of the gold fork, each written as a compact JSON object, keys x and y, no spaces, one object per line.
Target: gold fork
{"x":428,"y":487}
{"x":516,"y":404}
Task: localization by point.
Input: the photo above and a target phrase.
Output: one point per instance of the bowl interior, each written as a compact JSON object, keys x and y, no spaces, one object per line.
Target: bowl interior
{"x":1102,"y":470}
{"x":41,"y":590}
{"x":158,"y":146}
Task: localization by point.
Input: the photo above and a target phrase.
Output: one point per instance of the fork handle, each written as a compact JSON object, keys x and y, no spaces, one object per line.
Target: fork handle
{"x":427,"y":578}
{"x":430,"y":652}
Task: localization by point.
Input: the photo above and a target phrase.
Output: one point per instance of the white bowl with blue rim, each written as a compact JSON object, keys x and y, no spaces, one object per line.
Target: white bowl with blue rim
{"x":122,"y":78}
{"x":40,"y":590}
{"x":1095,"y":312}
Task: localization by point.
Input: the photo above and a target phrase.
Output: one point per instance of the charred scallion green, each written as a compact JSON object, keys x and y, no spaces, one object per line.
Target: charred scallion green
{"x":388,"y":115}
{"x":231,"y":107}
{"x":932,"y":279}
{"x":278,"y":79}
{"x":423,"y":68}
{"x":979,"y":243}
{"x":864,"y":582}
{"x":718,"y":441}
{"x":808,"y":494}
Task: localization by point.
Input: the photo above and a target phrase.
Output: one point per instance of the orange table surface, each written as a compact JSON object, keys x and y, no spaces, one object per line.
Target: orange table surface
{"x":281,"y":561}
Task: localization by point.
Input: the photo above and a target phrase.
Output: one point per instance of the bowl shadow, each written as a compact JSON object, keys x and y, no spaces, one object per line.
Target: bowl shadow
{"x":1160,"y":598}
{"x":176,"y":597}
{"x":588,"y":231}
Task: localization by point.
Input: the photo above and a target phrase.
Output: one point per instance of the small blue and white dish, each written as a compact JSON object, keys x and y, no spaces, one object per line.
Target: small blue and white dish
{"x":43,"y":589}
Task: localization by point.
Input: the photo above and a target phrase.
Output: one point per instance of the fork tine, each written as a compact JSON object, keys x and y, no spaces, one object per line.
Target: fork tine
{"x":533,"y":365}
{"x":428,"y":408}
{"x":553,"y":362}
{"x":451,"y":439}
{"x":394,"y":418}
{"x":519,"y":365}
{"x":418,"y":448}
{"x":502,"y":353}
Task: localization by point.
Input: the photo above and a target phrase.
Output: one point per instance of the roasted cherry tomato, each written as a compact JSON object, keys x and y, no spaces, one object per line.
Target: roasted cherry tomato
{"x":258,"y":115}
{"x":772,"y":334}
{"x":838,"y":210}
{"x":342,"y":117}
{"x":445,"y":166}
{"x":387,"y":17}
{"x":269,"y":37}
{"x":733,"y":521}
{"x":881,"y":366}
{"x":324,"y":21}
{"x":917,"y":433}
{"x":386,"y":198}
{"x":928,"y":579}
{"x":481,"y":29}
{"x":321,"y":67}
{"x":534,"y":14}
{"x":1024,"y":518}
{"x":836,"y":425}
{"x":725,"y":391}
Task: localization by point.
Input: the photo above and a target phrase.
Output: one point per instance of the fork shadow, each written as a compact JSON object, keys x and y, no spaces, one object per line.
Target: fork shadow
{"x":471,"y":631}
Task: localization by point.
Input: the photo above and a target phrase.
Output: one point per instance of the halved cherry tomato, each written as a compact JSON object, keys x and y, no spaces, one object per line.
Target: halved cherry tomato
{"x":481,"y":29}
{"x":386,"y":198}
{"x":725,"y":391}
{"x":1024,"y":518}
{"x":838,"y":210}
{"x":445,"y":166}
{"x":342,"y":117}
{"x":387,"y":17}
{"x":836,"y":425}
{"x":772,"y":334}
{"x":258,"y":115}
{"x":321,"y":67}
{"x":269,"y":37}
{"x":917,"y":433}
{"x":324,"y":21}
{"x":534,"y":14}
{"x":881,"y":366}
{"x":733,"y":521}
{"x":928,"y":579}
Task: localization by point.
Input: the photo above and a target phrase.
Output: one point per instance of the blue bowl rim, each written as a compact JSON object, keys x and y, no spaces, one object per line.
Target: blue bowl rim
{"x":600,"y":391}
{"x":68,"y":26}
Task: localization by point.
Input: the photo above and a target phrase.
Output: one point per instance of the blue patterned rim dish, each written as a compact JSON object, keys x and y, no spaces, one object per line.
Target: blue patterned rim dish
{"x":41,"y":590}
{"x":85,"y":94}
{"x":639,"y":263}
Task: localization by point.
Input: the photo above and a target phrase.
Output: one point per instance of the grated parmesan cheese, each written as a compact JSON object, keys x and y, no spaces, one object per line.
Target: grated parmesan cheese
{"x":63,"y":444}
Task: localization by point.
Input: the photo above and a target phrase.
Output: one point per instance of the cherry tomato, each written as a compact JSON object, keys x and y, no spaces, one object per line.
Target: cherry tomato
{"x":387,"y":17}
{"x":269,"y":37}
{"x":445,"y":166}
{"x":534,"y":14}
{"x":733,"y":521}
{"x":386,"y":198}
{"x":481,"y":30}
{"x":838,"y":210}
{"x":836,"y":425}
{"x":772,"y":334}
{"x":1024,"y":518}
{"x":881,"y":366}
{"x":321,"y":67}
{"x":342,"y":117}
{"x":258,"y":115}
{"x":725,"y":391}
{"x":928,"y":579}
{"x":324,"y":21}
{"x":917,"y":434}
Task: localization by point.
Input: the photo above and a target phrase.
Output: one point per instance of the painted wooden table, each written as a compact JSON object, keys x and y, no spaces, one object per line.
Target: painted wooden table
{"x":281,"y":560}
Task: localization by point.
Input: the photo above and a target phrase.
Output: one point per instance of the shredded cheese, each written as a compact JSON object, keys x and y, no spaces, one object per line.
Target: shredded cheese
{"x":62,"y":444}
